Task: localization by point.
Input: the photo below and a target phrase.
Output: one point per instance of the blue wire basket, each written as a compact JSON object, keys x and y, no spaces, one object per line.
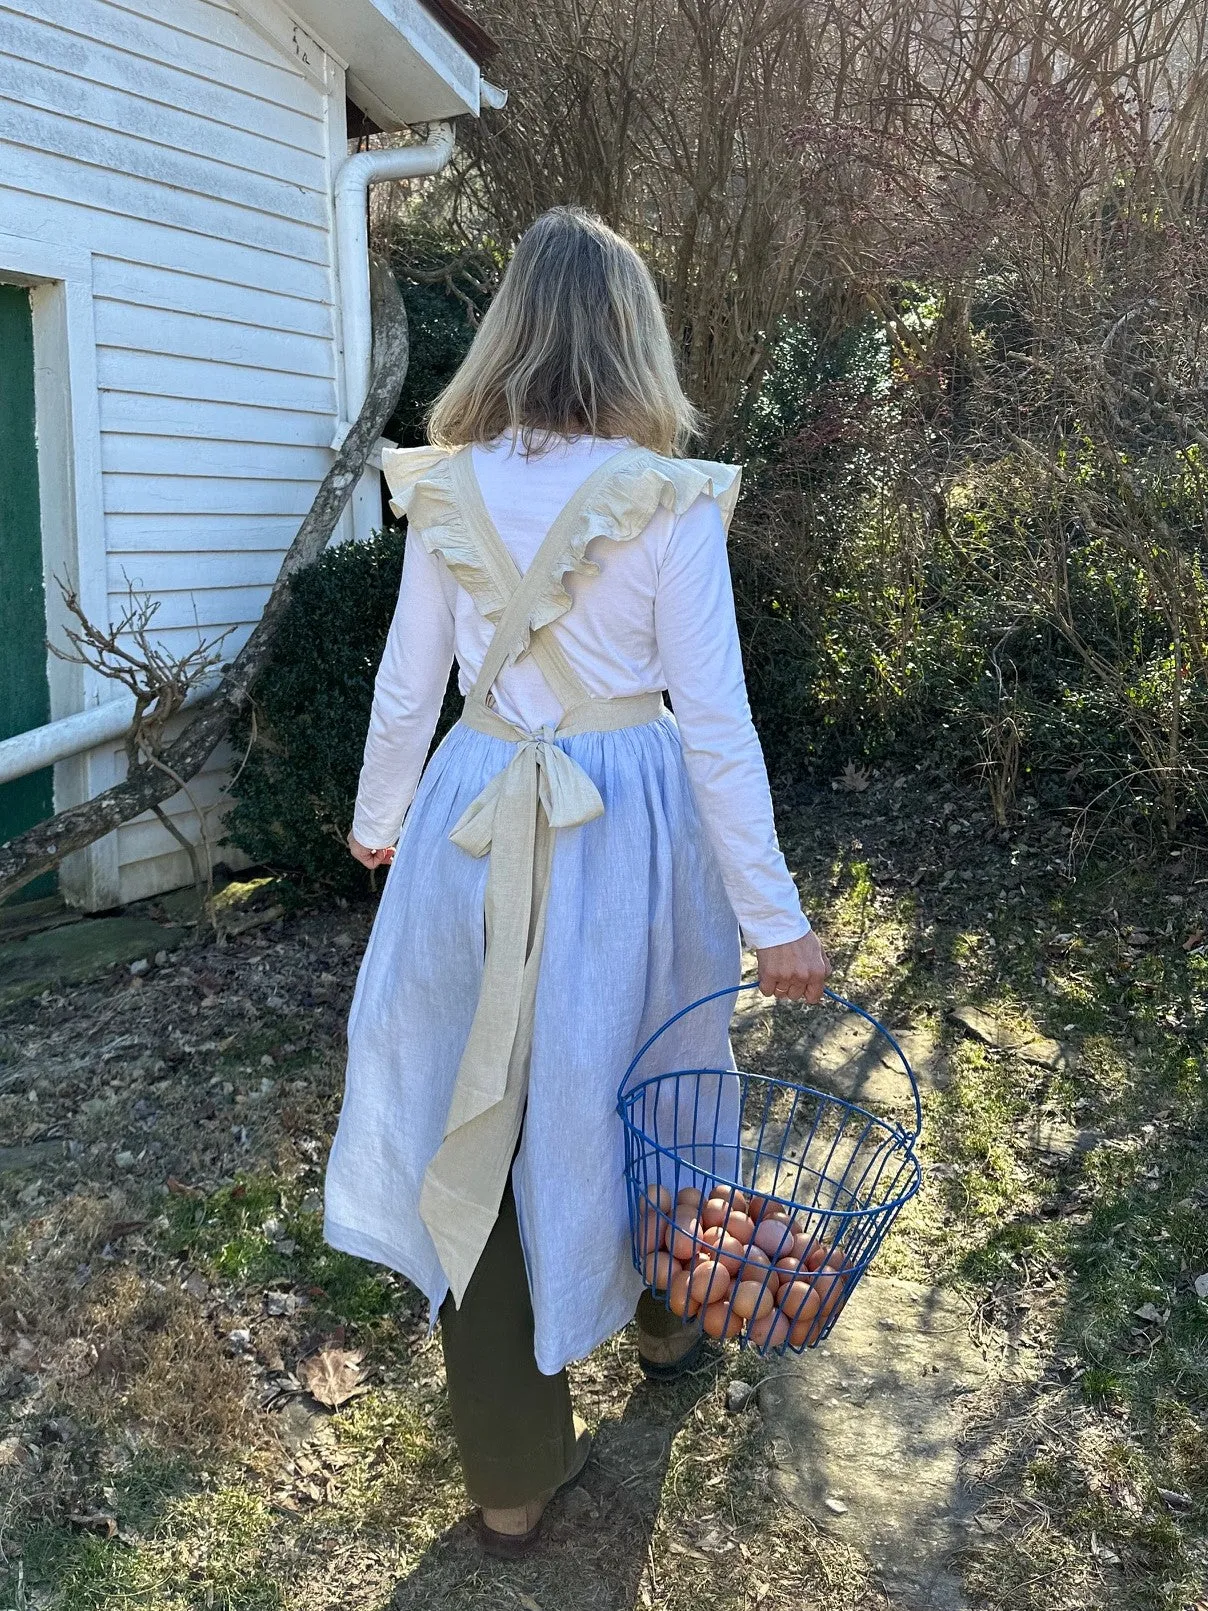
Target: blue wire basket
{"x":817,"y":1179}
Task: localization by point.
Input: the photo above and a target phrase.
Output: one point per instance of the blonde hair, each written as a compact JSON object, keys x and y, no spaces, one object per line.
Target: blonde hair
{"x":574,"y":343}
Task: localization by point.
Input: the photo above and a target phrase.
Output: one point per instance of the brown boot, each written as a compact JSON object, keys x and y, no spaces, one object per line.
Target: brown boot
{"x":664,"y":1358}
{"x":513,"y":1531}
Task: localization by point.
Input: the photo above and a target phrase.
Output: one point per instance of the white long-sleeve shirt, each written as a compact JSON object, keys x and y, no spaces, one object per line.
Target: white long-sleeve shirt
{"x":659,"y":615}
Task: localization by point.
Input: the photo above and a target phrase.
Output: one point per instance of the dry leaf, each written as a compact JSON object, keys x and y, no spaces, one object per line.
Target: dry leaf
{"x":23,"y":1355}
{"x":854,"y":780}
{"x":96,"y":1521}
{"x":179,"y":1189}
{"x":333,"y":1375}
{"x":1152,"y":1315}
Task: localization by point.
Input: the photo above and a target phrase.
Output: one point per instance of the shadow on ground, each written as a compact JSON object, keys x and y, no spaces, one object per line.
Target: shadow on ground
{"x":595,"y":1547}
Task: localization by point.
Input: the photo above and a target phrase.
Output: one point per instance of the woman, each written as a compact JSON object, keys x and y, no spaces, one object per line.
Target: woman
{"x":575,"y":863}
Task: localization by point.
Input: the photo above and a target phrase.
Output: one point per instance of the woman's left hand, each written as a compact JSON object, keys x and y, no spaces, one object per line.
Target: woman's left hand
{"x":370,"y":858}
{"x":797,"y":971}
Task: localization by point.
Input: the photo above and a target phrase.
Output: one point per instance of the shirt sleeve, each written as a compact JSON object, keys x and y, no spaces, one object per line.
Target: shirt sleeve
{"x":407,"y":697}
{"x":698,"y":644}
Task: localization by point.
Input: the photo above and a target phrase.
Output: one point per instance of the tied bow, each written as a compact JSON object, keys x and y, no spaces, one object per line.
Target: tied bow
{"x":567,"y":795}
{"x":504,"y":821}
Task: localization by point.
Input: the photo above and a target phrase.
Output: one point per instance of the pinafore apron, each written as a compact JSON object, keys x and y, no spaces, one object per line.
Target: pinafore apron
{"x":513,"y":821}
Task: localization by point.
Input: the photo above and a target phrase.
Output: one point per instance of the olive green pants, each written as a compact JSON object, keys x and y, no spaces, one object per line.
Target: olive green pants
{"x":514,"y":1428}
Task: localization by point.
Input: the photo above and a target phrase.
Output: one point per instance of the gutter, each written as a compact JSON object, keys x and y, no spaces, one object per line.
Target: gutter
{"x":352,"y":250}
{"x":352,"y":245}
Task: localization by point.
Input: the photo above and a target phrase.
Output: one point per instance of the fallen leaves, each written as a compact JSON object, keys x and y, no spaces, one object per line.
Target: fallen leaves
{"x":1152,"y":1315}
{"x":179,"y":1189}
{"x":333,"y":1375}
{"x":96,"y":1521}
{"x":853,"y":779}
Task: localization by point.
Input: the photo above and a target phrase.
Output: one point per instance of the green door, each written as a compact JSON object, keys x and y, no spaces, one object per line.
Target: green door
{"x":24,"y":691}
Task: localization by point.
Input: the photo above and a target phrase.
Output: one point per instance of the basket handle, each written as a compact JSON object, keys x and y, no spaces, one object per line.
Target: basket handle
{"x":909,"y":1136}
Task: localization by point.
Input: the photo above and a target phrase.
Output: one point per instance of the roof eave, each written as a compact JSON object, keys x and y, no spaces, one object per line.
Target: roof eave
{"x":403,"y":64}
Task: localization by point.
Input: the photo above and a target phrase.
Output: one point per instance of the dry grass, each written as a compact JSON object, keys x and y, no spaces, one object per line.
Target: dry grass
{"x":155,"y":1448}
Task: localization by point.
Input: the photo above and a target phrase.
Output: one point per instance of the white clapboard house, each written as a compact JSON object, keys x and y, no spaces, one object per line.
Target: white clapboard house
{"x":184,"y":335}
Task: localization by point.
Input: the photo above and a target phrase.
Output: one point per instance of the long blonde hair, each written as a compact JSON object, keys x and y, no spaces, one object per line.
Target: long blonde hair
{"x":574,"y":343}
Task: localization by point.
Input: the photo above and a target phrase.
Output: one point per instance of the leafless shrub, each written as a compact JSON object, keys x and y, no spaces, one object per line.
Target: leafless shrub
{"x":1015,"y":191}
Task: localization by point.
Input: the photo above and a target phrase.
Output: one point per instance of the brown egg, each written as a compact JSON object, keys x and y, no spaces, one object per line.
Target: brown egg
{"x":771,"y":1332}
{"x":759,"y":1205}
{"x":689,"y":1200}
{"x":650,"y":1234}
{"x":790,"y":1269}
{"x":807,"y":1326}
{"x":659,"y":1198}
{"x":732,"y":1196}
{"x":718,"y":1211}
{"x":686,"y":1238}
{"x":831,"y":1289}
{"x":720,"y":1321}
{"x":755,"y":1265}
{"x":681,"y":1300}
{"x":798,"y":1301}
{"x":775,"y":1238}
{"x":752,"y":1300}
{"x":740,"y":1226}
{"x":757,"y":1331}
{"x":814,"y":1257}
{"x":660,"y":1269}
{"x":709,"y":1282}
{"x":726,"y":1250}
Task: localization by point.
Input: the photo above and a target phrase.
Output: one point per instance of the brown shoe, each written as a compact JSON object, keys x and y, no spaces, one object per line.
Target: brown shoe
{"x":664,"y":1358}
{"x":512,"y":1532}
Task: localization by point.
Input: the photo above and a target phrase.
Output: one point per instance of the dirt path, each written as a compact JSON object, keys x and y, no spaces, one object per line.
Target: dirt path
{"x":168,"y":1310}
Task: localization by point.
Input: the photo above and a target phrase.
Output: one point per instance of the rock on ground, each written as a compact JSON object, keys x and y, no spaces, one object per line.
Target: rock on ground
{"x":1004,"y":1037}
{"x":843,"y":1054}
{"x":864,"y":1432}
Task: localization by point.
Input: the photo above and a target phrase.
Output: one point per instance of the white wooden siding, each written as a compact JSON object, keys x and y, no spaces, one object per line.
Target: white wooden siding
{"x":193,"y":159}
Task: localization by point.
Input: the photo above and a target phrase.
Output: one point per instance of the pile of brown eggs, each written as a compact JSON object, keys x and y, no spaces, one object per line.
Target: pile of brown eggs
{"x":742,"y":1263}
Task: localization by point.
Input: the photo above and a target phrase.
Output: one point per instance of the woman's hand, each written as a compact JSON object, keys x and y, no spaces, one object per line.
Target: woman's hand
{"x":370,"y":858}
{"x":796,"y":971}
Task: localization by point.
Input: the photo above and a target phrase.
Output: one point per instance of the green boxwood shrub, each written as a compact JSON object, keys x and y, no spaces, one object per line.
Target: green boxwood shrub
{"x":294,"y":797}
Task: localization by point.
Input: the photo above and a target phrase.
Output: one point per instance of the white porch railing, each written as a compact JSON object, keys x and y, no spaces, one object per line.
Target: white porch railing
{"x":73,"y":735}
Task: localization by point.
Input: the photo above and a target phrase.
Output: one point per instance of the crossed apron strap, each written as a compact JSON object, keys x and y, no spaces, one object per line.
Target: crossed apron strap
{"x":525,"y":589}
{"x":512,"y":820}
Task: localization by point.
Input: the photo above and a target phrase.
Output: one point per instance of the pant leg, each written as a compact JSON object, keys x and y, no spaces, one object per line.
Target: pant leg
{"x":514,"y":1428}
{"x":656,"y":1320}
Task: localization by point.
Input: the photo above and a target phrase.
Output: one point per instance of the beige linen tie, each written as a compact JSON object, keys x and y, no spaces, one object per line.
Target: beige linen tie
{"x":512,"y":820}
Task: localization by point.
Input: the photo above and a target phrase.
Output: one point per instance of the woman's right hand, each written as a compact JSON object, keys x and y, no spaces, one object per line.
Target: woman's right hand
{"x":370,"y":858}
{"x":797,"y":971}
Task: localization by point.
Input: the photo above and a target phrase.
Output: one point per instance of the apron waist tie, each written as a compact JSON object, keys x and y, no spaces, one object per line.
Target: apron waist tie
{"x":512,"y":821}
